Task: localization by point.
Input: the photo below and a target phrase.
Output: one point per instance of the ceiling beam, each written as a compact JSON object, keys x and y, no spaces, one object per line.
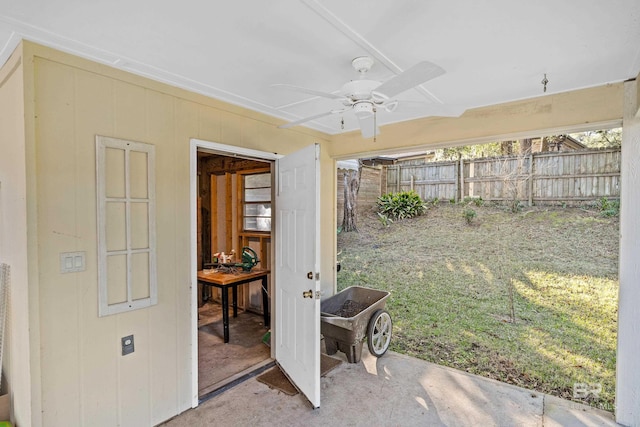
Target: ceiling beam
{"x":585,"y":109}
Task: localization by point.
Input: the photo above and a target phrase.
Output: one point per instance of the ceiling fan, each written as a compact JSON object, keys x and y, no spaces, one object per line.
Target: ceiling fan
{"x":365,"y":97}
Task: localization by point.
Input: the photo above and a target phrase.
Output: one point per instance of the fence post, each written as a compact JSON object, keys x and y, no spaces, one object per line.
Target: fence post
{"x":461,"y":180}
{"x":456,"y":174}
{"x":398,"y":174}
{"x":530,"y":179}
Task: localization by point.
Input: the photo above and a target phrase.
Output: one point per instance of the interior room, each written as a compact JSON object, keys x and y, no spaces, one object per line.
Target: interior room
{"x":234,"y":236}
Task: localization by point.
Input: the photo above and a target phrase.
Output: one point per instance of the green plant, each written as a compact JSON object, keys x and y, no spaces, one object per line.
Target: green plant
{"x":608,"y":207}
{"x":406,"y":204}
{"x":469,"y":214}
{"x":475,"y":200}
{"x":384,"y":220}
{"x":515,"y":206}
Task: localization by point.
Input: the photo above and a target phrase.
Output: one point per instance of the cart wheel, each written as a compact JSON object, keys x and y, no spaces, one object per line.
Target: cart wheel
{"x":379,"y":333}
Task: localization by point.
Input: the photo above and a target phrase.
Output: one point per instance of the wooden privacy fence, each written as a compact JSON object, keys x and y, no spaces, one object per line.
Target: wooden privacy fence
{"x":570,"y":177}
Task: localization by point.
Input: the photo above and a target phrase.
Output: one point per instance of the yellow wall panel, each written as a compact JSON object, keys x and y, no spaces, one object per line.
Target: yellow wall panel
{"x":56,"y":182}
{"x":230,"y":129}
{"x":138,"y":170}
{"x":99,"y":340}
{"x":117,"y":279}
{"x":208,"y":124}
{"x":135,"y":371}
{"x":129,"y":111}
{"x":173,"y":394}
{"x":159,"y":117}
{"x":115,"y":165}
{"x":22,"y":382}
{"x":139,"y":225}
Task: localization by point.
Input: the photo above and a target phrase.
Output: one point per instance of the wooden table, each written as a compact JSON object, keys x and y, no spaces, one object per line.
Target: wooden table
{"x":224,"y":281}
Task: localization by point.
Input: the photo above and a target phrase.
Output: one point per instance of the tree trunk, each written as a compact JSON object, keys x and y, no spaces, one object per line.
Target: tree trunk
{"x":351,"y":187}
{"x":506,"y":148}
{"x":525,"y":146}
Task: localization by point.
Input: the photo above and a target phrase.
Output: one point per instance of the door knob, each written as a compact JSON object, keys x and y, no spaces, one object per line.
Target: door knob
{"x":310,"y":275}
{"x":307,"y":294}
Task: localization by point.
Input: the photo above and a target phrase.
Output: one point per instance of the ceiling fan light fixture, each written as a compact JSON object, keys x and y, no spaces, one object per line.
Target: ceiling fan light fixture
{"x":363,"y":110}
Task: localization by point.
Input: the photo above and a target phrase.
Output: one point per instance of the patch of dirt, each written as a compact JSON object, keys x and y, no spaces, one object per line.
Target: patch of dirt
{"x":500,"y":368}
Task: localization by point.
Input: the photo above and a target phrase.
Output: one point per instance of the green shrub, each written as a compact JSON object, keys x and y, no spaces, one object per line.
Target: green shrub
{"x":469,"y":214}
{"x":475,"y":200}
{"x":516,"y":206}
{"x":406,"y":204}
{"x":609,"y":207}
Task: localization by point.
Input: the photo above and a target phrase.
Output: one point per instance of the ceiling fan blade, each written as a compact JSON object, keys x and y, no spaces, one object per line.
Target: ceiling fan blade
{"x":308,"y":91}
{"x":368,"y":127}
{"x":308,"y":119}
{"x":414,"y":76}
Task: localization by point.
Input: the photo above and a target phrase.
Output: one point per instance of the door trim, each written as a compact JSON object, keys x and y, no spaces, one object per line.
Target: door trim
{"x":225,"y":150}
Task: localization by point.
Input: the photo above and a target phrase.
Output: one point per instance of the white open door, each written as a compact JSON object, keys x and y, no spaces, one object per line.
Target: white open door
{"x":297,"y":269}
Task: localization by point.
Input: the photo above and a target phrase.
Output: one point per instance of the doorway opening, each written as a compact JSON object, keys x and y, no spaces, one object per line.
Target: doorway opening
{"x":295,"y":338}
{"x":233,"y":233}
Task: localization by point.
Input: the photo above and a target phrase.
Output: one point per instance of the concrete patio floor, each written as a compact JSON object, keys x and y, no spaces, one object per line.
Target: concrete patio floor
{"x":395,"y":390}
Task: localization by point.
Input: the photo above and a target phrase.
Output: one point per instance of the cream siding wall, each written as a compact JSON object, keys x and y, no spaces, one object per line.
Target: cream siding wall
{"x":13,"y":237}
{"x":85,"y":380}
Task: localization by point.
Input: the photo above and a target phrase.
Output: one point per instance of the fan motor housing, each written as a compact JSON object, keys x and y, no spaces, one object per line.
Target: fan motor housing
{"x":358,"y":90}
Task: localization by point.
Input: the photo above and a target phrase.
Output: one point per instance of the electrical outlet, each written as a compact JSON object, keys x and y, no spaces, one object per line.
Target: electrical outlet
{"x":127,"y":345}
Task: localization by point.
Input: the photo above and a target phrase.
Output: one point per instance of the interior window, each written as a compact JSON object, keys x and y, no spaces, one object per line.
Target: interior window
{"x":256,"y":202}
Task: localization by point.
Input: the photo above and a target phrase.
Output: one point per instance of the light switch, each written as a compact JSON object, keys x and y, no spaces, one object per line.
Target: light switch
{"x":72,"y":262}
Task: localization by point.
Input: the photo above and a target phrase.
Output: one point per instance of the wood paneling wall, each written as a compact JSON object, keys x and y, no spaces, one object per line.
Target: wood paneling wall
{"x":85,"y":380}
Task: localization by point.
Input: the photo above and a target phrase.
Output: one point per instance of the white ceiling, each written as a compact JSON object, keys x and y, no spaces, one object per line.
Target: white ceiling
{"x":493,"y":51}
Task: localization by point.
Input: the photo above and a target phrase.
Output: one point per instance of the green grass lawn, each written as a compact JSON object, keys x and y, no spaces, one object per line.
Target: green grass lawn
{"x":527,"y":298}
